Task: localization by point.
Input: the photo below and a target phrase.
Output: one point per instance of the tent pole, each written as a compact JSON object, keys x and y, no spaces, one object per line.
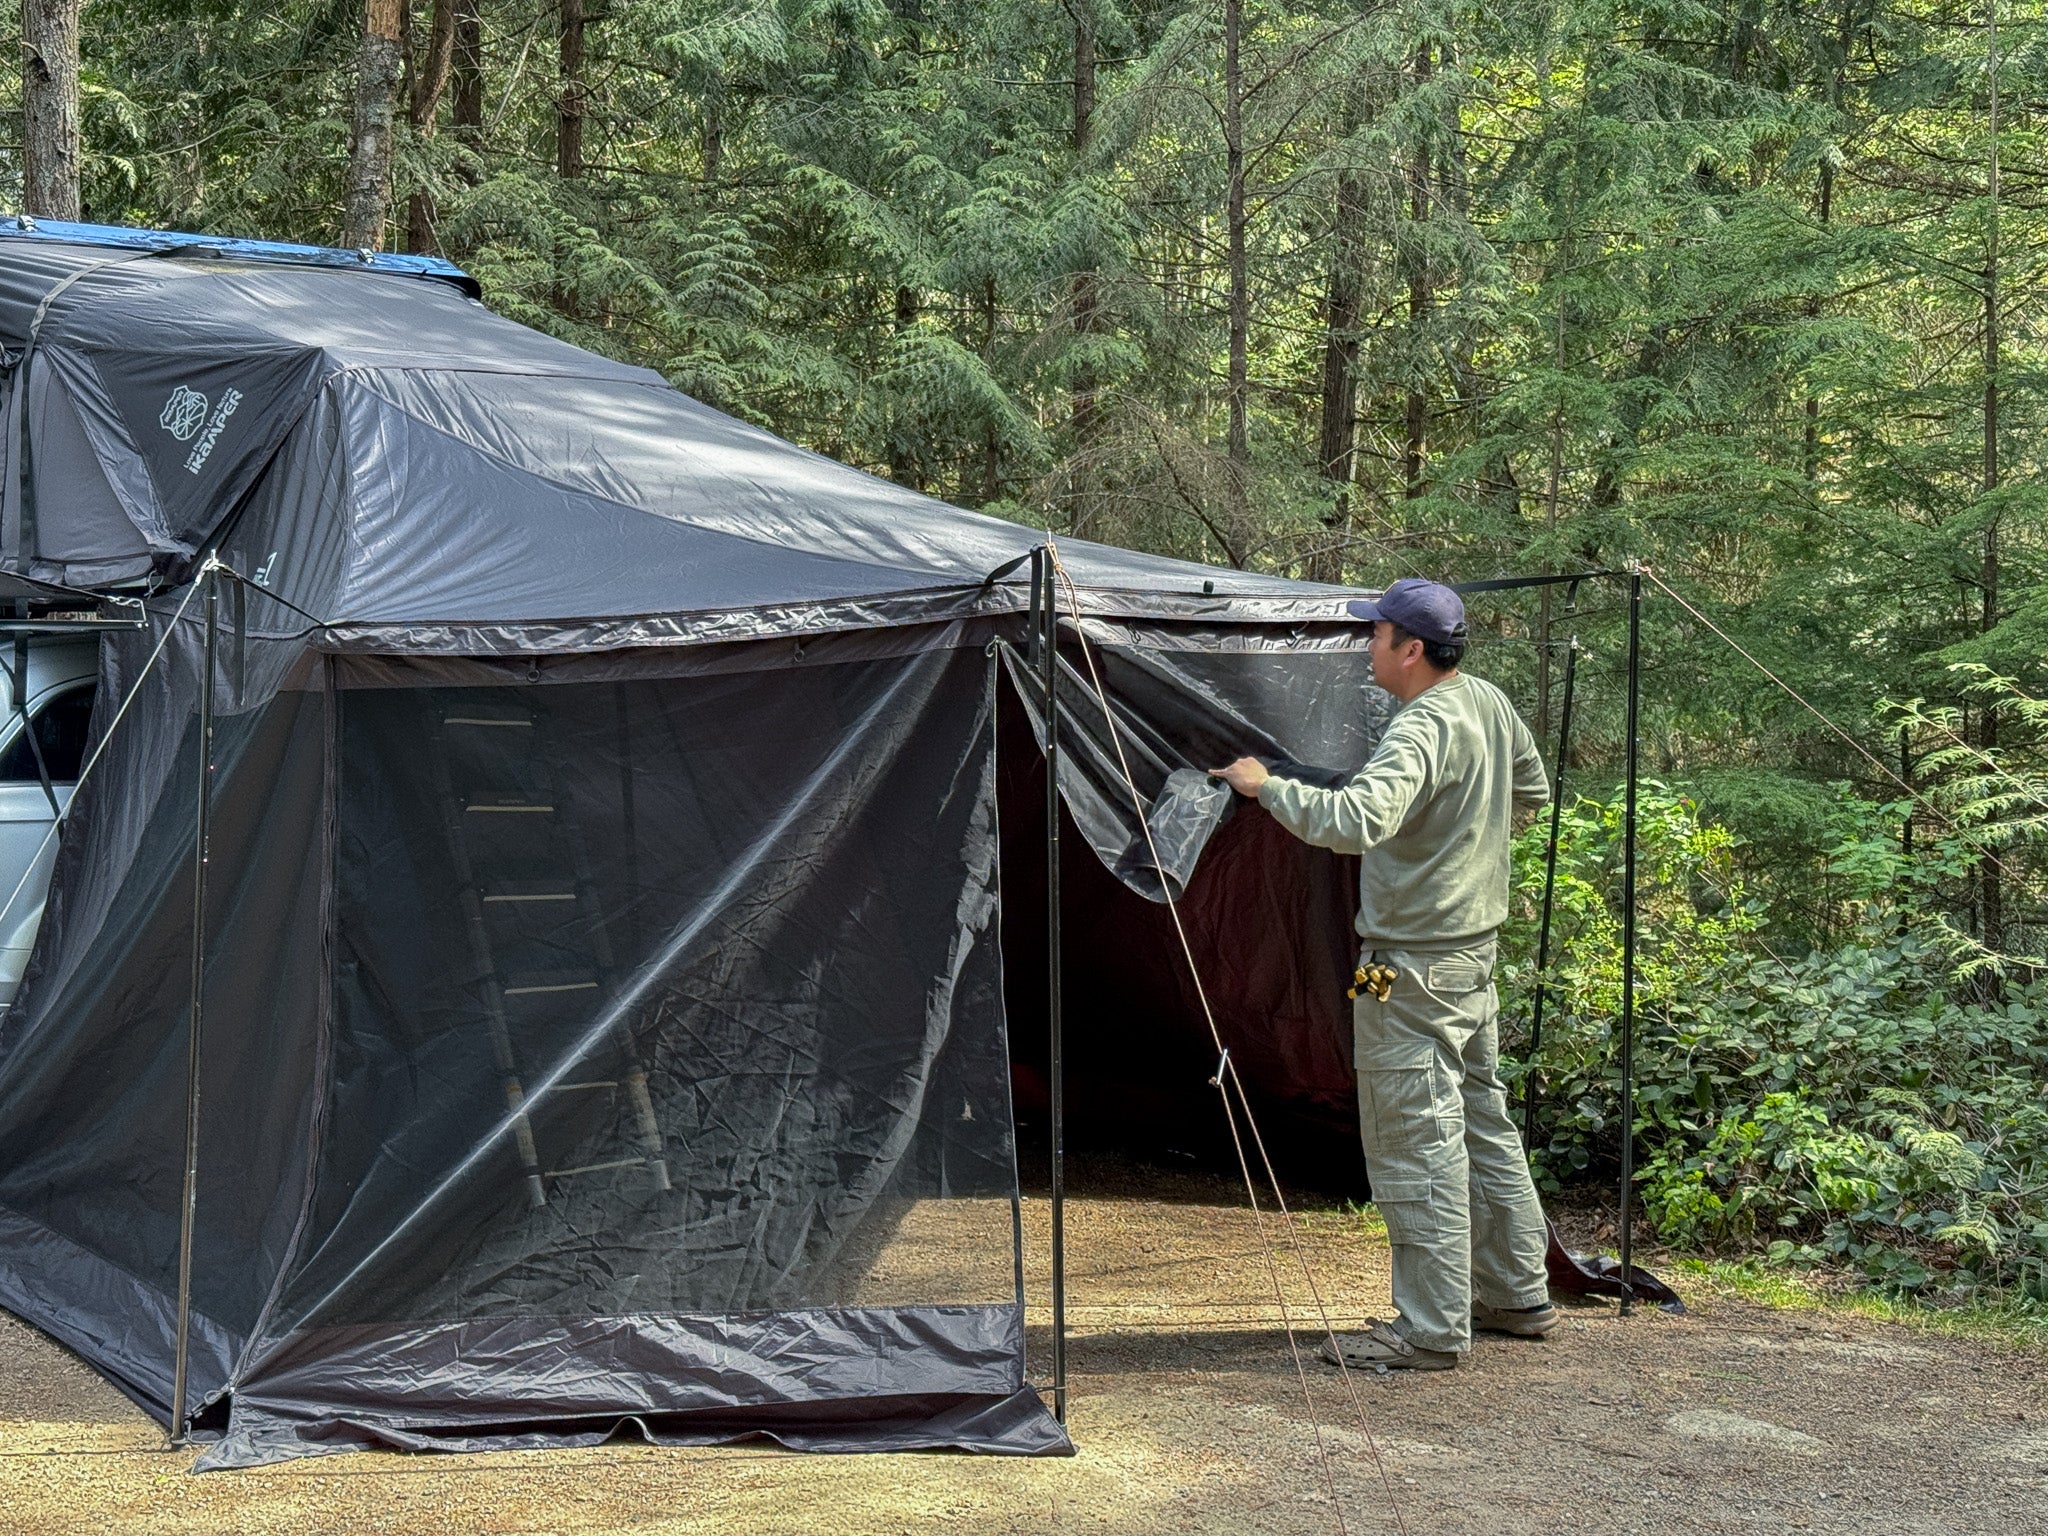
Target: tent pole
{"x":188,"y":1205}
{"x":1049,"y":657}
{"x":1628,"y":936}
{"x":1564,"y":738}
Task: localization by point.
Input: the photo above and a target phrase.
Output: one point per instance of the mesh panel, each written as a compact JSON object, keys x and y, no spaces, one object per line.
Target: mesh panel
{"x":665,"y":995}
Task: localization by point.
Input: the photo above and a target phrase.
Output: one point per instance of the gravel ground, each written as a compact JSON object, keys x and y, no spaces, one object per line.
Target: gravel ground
{"x":1189,"y":1416}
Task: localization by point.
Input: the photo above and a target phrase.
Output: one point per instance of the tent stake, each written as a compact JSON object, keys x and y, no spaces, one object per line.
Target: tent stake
{"x":1049,"y":658}
{"x":190,"y":1202}
{"x":1628,"y":937}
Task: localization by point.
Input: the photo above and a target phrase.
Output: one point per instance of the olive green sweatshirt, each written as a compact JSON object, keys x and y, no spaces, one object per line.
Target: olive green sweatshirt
{"x":1430,"y":813}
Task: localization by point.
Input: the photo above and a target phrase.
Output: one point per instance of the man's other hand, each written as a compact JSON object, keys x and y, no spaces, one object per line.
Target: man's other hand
{"x":1245,"y":776}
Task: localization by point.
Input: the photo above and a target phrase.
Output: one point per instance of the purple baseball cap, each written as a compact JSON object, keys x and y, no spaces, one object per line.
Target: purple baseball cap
{"x":1426,"y":609}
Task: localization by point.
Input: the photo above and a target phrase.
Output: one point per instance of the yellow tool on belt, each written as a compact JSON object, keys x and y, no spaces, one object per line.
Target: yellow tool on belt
{"x":1375,"y":978}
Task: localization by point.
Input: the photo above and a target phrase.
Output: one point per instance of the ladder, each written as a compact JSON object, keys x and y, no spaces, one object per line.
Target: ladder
{"x":543,"y":956}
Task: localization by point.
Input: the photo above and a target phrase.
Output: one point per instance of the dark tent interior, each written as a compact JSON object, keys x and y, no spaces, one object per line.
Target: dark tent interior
{"x":1269,"y":919}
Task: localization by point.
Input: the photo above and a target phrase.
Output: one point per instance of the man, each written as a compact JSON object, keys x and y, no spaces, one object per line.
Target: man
{"x":1430,"y":813}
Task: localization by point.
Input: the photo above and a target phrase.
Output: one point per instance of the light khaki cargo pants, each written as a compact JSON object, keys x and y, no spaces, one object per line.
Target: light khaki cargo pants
{"x":1447,"y":1167}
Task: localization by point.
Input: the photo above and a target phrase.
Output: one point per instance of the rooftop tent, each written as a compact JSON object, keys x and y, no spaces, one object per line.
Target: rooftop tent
{"x":604,"y":929}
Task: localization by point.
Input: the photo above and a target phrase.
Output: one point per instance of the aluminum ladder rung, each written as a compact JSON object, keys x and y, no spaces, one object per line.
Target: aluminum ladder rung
{"x":536,"y":987}
{"x":659,"y":1165}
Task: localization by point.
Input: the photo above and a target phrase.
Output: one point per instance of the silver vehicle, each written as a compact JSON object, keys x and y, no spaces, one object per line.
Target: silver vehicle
{"x":61,"y":676}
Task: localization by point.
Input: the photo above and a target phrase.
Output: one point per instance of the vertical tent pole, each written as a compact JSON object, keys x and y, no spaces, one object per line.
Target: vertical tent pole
{"x":189,"y":1203}
{"x":1628,"y":938}
{"x":1049,"y":658}
{"x":1564,"y":738}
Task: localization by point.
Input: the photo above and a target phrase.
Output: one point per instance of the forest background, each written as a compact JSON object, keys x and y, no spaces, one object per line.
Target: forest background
{"x":1749,"y":291}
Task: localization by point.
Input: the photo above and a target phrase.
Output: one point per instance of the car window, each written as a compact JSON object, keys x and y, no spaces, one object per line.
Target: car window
{"x":60,"y":724}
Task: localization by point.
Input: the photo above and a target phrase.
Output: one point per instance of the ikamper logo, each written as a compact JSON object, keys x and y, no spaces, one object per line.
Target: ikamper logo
{"x":184,"y":413}
{"x":229,"y":399}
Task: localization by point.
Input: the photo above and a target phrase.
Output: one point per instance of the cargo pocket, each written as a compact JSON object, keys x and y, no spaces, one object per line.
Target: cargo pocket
{"x":1455,"y":978}
{"x":1400,"y":1102}
{"x":1406,"y":1206}
{"x":1462,"y":987}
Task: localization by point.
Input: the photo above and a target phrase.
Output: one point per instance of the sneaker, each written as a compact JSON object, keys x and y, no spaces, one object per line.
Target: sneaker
{"x":1379,"y":1348}
{"x":1521,"y":1322}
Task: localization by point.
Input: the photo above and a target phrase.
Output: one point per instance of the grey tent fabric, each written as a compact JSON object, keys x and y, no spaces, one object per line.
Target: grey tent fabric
{"x":604,"y":934}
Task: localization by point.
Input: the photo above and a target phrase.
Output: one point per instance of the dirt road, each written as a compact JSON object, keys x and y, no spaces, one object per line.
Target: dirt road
{"x":1190,"y":1416}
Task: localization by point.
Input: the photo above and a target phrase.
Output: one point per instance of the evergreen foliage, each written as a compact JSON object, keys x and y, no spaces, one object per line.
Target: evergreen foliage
{"x":1822,"y":1093}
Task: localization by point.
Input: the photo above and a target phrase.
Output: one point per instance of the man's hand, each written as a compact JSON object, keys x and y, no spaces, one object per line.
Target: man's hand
{"x":1245,"y":776}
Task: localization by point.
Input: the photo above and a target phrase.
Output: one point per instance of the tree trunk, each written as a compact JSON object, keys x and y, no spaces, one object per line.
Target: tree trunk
{"x":428,"y":79}
{"x":991,"y":447}
{"x":1741,"y":44}
{"x":571,"y":103}
{"x":1237,"y":386}
{"x":1554,"y":477}
{"x":466,"y":70}
{"x":1811,"y":455}
{"x":1084,"y":76}
{"x":1416,"y":416}
{"x":1337,"y":439}
{"x":1837,"y":62}
{"x":902,"y":463}
{"x":49,"y":108}
{"x":376,"y":106}
{"x":1085,"y":296}
{"x":712,"y":147}
{"x":1990,"y":885}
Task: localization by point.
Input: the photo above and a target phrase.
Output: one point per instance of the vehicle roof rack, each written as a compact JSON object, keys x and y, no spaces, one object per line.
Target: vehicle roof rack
{"x":29,"y":606}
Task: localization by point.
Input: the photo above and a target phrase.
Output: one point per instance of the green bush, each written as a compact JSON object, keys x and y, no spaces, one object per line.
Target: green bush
{"x":1850,"y":1104}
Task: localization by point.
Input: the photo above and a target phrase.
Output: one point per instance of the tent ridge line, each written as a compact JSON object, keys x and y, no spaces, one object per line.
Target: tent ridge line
{"x":364,"y":634}
{"x":526,"y":370}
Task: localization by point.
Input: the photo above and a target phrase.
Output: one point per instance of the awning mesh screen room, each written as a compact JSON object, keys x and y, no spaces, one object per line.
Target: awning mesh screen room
{"x":603,"y":947}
